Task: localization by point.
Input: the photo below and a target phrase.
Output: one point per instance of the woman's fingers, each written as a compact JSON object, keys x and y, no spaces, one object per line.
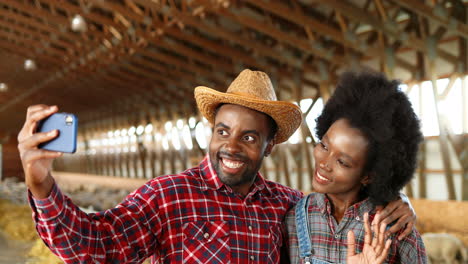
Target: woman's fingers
{"x":367,"y":229}
{"x":351,"y":244}
{"x":375,"y":229}
{"x":380,"y":238}
{"x":381,"y":258}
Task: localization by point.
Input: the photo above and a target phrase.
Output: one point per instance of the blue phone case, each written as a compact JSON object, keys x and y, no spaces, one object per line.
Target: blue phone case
{"x":67,"y":124}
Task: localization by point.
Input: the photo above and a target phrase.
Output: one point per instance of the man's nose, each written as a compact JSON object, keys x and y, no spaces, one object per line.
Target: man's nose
{"x":233,"y":146}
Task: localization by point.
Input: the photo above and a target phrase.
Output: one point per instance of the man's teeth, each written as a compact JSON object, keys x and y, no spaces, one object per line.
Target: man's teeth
{"x":232,"y":164}
{"x":321,"y":177}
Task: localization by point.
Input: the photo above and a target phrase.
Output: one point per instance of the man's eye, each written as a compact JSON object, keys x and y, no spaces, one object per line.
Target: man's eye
{"x":249,"y":138}
{"x":222,"y":132}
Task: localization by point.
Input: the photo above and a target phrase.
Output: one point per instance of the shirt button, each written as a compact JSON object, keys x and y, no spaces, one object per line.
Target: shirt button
{"x":250,"y":227}
{"x":206,"y":235}
{"x":337,"y":236}
{"x":358,"y":218}
{"x":252,"y":257}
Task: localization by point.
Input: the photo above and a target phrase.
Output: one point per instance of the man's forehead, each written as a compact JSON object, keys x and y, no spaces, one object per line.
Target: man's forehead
{"x":238,"y":108}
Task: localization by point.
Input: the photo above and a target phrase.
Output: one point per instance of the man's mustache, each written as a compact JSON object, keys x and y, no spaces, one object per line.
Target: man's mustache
{"x":234,"y":156}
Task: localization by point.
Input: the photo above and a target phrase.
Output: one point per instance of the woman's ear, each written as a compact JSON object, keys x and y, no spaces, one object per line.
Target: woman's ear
{"x":367,"y":178}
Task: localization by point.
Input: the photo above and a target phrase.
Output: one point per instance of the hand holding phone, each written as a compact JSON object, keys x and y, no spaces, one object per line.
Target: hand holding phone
{"x":67,"y":125}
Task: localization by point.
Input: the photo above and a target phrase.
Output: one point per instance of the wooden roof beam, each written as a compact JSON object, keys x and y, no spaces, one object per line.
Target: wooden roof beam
{"x":299,"y":43}
{"x":213,"y":45}
{"x":282,"y":10}
{"x":419,"y":7}
{"x":357,"y":14}
{"x":36,"y":34}
{"x":162,"y":70}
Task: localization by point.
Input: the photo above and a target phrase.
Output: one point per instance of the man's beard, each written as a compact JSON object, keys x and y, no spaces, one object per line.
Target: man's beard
{"x":247,"y":176}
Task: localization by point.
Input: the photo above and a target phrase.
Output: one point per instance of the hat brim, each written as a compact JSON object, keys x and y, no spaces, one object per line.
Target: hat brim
{"x":287,"y":116}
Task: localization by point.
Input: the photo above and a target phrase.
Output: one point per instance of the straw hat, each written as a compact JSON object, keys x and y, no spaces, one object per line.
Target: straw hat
{"x":252,"y":89}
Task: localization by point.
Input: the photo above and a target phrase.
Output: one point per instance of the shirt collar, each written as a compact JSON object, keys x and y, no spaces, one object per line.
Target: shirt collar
{"x":355,"y":210}
{"x":212,"y":181}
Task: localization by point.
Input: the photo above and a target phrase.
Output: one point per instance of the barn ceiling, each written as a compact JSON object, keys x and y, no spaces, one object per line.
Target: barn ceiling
{"x":151,"y":53}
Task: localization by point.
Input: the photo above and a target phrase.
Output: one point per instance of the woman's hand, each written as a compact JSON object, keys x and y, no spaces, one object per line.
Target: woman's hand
{"x":375,"y":248}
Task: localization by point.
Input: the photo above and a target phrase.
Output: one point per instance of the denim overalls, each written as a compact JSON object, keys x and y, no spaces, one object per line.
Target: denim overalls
{"x":303,"y":237}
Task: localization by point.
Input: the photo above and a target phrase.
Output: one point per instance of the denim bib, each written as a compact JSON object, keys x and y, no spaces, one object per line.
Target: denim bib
{"x":303,"y":237}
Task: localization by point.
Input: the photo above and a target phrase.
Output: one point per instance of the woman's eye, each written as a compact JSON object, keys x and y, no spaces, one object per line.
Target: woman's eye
{"x":323,"y":146}
{"x":342,"y":163}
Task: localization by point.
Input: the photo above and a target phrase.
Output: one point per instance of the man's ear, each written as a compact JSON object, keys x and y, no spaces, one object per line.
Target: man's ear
{"x":269,"y":147}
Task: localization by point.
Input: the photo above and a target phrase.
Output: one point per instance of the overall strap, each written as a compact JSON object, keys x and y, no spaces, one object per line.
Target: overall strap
{"x":302,"y":225}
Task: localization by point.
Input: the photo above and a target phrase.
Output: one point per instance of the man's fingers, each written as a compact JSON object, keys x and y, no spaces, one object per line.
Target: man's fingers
{"x":351,"y":244}
{"x":34,"y":108}
{"x":389,"y":209}
{"x":34,"y":115}
{"x":400,"y":224}
{"x":39,"y":154}
{"x":407,"y":231}
{"x":33,"y":141}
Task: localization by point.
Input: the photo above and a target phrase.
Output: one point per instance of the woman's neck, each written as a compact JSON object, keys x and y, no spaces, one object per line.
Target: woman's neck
{"x":340,"y":204}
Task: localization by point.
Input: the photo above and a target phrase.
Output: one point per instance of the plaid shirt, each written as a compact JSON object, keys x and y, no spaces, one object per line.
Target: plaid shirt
{"x":329,"y":239}
{"x":191,"y":217}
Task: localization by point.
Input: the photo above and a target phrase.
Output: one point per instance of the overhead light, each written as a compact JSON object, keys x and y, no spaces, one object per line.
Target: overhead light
{"x":30,"y":65}
{"x":78,"y":24}
{"x":3,"y":87}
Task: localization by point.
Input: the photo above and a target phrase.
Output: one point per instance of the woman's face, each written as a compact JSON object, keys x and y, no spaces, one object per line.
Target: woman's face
{"x":339,"y":161}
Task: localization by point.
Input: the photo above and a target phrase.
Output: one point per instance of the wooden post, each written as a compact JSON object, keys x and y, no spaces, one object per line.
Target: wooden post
{"x":465,"y":144}
{"x":442,"y":135}
{"x":422,"y":171}
{"x":1,"y":162}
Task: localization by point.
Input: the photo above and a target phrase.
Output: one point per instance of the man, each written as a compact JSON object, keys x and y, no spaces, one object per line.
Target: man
{"x":222,"y":211}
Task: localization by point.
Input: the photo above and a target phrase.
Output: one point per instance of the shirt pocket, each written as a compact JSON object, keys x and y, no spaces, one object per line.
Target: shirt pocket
{"x":276,"y":241}
{"x":206,"y":242}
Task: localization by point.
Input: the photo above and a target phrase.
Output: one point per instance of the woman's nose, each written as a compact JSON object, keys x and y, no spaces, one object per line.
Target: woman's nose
{"x":324,"y":165}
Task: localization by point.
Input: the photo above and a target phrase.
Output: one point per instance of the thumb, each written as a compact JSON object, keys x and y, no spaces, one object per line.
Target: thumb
{"x":351,"y":244}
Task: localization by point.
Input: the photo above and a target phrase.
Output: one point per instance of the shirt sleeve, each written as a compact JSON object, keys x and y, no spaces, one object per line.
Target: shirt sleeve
{"x":411,"y":249}
{"x":126,"y":233}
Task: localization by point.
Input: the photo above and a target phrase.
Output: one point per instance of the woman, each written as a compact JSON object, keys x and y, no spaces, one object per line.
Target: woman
{"x":369,"y":137}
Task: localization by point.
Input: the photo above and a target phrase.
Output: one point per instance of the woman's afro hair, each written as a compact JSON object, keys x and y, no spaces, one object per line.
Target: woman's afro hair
{"x":378,"y":108}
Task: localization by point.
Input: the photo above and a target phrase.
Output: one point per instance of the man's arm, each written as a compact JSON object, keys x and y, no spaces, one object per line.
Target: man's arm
{"x":402,"y":211}
{"x":124,"y":234}
{"x":121,"y":234}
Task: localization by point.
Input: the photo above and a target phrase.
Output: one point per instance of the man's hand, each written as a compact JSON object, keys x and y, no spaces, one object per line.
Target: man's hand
{"x":375,"y":248}
{"x":37,"y":162}
{"x":402,"y":210}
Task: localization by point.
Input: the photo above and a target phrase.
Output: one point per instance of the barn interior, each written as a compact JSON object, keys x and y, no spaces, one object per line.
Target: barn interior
{"x":128,"y":68}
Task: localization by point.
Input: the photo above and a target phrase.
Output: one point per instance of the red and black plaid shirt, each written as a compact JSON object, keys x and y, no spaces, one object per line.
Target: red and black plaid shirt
{"x":190,"y":217}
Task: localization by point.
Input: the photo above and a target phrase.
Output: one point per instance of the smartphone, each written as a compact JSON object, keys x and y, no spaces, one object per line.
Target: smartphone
{"x":67,"y":125}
